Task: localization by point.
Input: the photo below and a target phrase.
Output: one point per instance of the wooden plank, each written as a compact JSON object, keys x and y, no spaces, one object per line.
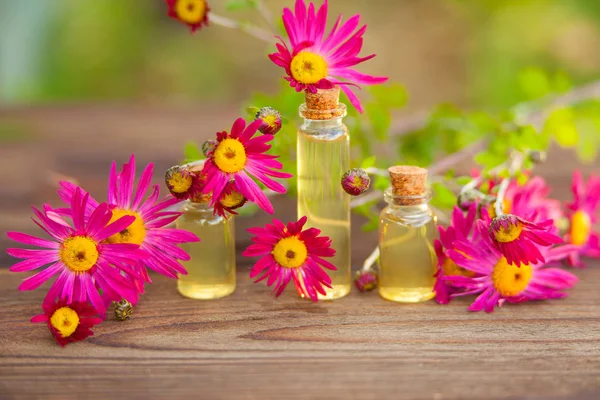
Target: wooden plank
{"x":252,"y":346}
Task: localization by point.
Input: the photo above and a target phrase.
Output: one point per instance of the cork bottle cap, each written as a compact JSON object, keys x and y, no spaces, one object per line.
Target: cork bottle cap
{"x":408,"y":181}
{"x":323,"y":105}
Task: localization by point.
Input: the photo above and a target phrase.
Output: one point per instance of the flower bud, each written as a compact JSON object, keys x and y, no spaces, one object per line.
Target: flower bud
{"x":356,"y":181}
{"x":271,"y":120}
{"x":365,"y":281}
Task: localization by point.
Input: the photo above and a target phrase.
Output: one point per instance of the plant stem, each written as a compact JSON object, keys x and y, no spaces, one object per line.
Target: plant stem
{"x":366,"y":198}
{"x":499,"y":203}
{"x":252,"y":30}
{"x":266,"y":14}
{"x":371,"y":259}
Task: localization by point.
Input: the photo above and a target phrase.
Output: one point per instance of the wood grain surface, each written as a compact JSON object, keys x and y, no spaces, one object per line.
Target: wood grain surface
{"x":250,"y":345}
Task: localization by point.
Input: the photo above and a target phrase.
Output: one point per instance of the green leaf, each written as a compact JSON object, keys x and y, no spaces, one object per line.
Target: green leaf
{"x":463,"y":180}
{"x":372,"y":225}
{"x":192,"y":152}
{"x":368,"y":162}
{"x":443,"y":197}
{"x":237,"y":5}
{"x":391,"y":95}
{"x":587,"y":147}
{"x":561,"y":125}
{"x":381,"y":183}
{"x":380,"y":120}
{"x":534,"y":82}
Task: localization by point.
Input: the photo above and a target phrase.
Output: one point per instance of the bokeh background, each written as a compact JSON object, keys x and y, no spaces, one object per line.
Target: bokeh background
{"x":86,"y":82}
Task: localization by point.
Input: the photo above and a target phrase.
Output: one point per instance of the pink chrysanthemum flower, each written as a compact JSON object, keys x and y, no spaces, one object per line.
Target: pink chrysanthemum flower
{"x":150,"y":217}
{"x":78,"y":254}
{"x":365,"y":280}
{"x":314,"y":61}
{"x":519,"y":240}
{"x":496,"y":280}
{"x":583,"y":214}
{"x":461,"y":228}
{"x":230,"y":200}
{"x":182,"y":183}
{"x":69,"y":323}
{"x":531,"y":200}
{"x":236,"y":157}
{"x":356,"y":181}
{"x":288,"y":252}
{"x":193,"y":13}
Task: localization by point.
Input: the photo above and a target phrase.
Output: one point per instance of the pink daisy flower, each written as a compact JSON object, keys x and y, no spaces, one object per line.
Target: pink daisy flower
{"x":461,"y":228}
{"x":236,"y":157}
{"x":313,"y":60}
{"x":193,"y":13}
{"x":531,"y":199}
{"x":288,"y":252}
{"x":519,"y":240}
{"x":182,"y":183}
{"x":69,"y":323}
{"x":78,"y":254}
{"x":583,"y":214}
{"x":230,"y":200}
{"x":496,"y":280}
{"x":150,"y":216}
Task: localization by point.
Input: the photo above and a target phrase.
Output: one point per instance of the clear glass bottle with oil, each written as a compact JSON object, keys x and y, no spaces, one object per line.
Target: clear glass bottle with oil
{"x":211,"y":268}
{"x":323,"y":157}
{"x":407,"y":263}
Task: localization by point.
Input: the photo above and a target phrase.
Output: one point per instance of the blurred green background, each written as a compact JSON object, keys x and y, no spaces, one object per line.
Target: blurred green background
{"x":468,"y":52}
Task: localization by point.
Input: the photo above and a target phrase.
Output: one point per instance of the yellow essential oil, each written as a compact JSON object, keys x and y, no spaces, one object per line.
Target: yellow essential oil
{"x":211,"y":268}
{"x":323,"y":157}
{"x":407,"y":230}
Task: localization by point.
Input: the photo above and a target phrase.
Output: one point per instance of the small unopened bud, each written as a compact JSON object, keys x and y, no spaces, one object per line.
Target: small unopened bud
{"x":365,"y":281}
{"x":537,"y":157}
{"x":356,"y":181}
{"x":208,"y":147}
{"x":271,"y":120}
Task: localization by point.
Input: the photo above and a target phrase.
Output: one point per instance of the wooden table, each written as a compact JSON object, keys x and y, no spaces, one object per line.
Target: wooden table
{"x":252,"y":346}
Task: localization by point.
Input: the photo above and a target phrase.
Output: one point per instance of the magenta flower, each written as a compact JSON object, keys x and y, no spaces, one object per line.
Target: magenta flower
{"x":238,"y":156}
{"x":288,"y":252}
{"x":78,"y":254}
{"x":68,"y":323}
{"x":356,"y":181}
{"x":271,"y":120}
{"x":230,"y":200}
{"x":519,"y":240}
{"x":182,"y":183}
{"x":583,"y":214}
{"x":496,"y":280}
{"x":150,"y":216}
{"x":314,"y":61}
{"x":461,"y":228}
{"x":365,"y":280}
{"x":531,"y":200}
{"x":193,"y":13}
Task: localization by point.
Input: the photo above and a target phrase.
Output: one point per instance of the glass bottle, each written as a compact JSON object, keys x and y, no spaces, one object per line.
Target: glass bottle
{"x":211,"y":268}
{"x":323,"y":157}
{"x":407,"y":230}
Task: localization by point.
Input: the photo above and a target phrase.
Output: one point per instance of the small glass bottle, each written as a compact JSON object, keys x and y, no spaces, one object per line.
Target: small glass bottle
{"x":407,"y":230}
{"x":211,"y":268}
{"x":323,"y":157}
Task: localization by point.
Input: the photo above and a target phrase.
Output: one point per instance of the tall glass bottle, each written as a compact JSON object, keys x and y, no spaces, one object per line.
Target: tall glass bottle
{"x":323,"y":157}
{"x":407,"y":230}
{"x":211,"y":268}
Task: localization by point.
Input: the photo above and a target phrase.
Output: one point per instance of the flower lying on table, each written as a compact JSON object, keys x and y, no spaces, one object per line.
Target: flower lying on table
{"x":290,"y":253}
{"x":101,"y":255}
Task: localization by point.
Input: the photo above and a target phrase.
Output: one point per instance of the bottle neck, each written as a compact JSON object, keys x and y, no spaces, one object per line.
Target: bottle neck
{"x":191,"y":206}
{"x":408,"y":205}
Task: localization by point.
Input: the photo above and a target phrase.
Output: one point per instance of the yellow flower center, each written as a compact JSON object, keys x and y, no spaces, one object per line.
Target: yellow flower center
{"x":451,"y":269}
{"x":581,"y":226}
{"x":233,"y":199}
{"x":290,"y":252}
{"x":79,"y":253}
{"x":270,"y":120}
{"x":308,"y":68}
{"x":509,"y":233}
{"x":65,"y":320}
{"x":506,"y":208}
{"x":190,"y":11}
{"x":134,"y":233}
{"x":230,"y":156}
{"x":180,"y":183}
{"x":509,"y":279}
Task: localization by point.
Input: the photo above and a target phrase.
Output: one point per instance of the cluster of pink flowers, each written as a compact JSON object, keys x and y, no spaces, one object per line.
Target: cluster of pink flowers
{"x":100,"y":252}
{"x":514,"y":256}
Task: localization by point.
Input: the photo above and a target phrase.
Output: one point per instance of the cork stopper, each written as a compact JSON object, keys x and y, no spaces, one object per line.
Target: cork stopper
{"x":323,"y":105}
{"x":196,"y":168}
{"x":408,"y":184}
